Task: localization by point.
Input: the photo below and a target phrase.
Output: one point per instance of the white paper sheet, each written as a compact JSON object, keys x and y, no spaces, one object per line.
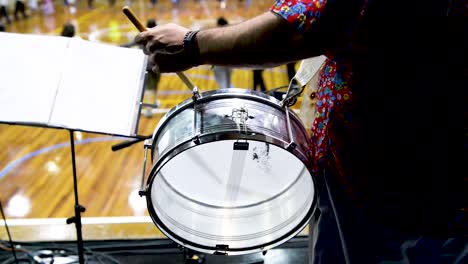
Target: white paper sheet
{"x":29,"y":67}
{"x":71,"y":83}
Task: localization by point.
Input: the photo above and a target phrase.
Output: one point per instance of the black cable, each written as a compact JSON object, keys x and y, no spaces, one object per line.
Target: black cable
{"x":9,"y":235}
{"x":21,"y":259}
{"x":8,"y":261}
{"x":104,"y":255}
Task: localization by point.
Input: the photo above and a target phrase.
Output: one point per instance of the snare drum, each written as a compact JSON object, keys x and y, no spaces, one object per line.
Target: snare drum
{"x":230,"y":173}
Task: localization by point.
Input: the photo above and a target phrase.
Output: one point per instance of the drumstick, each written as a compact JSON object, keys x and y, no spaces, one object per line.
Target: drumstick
{"x":131,"y":16}
{"x":137,"y":23}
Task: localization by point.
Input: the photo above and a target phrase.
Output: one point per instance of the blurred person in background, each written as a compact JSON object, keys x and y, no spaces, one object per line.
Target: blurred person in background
{"x":70,"y":6}
{"x":33,"y":5}
{"x":4,"y":11}
{"x":20,"y":7}
{"x":48,"y":7}
{"x":258,"y":80}
{"x":152,"y":78}
{"x":222,"y":73}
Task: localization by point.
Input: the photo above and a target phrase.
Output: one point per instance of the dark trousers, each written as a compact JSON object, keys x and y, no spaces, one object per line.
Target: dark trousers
{"x":291,"y":70}
{"x":4,"y":13}
{"x":258,"y":80}
{"x":20,"y":8}
{"x":344,"y":235}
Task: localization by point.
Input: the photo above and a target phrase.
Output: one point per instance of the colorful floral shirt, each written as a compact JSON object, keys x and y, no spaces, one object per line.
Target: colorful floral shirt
{"x":353,"y":134}
{"x":333,"y":92}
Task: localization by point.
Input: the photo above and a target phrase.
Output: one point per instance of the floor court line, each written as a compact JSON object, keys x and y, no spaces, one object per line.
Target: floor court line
{"x":82,"y":18}
{"x":84,"y":220}
{"x":35,"y":153}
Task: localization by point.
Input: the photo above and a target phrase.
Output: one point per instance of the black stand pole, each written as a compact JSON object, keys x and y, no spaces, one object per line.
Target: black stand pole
{"x":78,"y":208}
{"x":13,"y":250}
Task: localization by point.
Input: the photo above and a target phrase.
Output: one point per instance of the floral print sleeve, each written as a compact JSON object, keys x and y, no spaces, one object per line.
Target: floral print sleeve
{"x":302,"y":14}
{"x":334,"y":93}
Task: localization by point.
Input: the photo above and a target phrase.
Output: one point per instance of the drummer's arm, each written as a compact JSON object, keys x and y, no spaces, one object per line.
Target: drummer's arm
{"x":266,"y":40}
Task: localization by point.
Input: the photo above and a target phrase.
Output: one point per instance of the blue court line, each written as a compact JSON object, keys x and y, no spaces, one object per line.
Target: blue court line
{"x":24,"y":158}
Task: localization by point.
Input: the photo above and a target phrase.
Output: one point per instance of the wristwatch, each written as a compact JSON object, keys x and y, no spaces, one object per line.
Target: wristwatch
{"x":191,"y":46}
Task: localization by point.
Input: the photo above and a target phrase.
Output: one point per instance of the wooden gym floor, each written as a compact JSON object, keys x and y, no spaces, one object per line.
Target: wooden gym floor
{"x":36,"y":187}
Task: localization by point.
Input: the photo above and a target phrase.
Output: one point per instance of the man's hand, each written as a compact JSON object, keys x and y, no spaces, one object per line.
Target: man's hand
{"x":165,"y":47}
{"x":263,"y":41}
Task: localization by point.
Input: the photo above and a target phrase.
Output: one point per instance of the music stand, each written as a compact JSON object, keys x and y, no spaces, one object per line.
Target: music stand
{"x":54,"y":97}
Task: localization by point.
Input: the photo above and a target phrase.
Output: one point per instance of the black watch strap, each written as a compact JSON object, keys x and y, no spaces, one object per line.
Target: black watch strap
{"x":191,"y":46}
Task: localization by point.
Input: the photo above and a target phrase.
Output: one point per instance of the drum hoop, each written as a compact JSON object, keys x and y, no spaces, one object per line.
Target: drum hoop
{"x":221,"y":94}
{"x":207,"y":249}
{"x":203,"y":139}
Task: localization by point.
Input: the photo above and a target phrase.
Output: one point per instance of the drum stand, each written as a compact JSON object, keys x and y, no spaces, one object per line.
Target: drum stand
{"x":78,"y":208}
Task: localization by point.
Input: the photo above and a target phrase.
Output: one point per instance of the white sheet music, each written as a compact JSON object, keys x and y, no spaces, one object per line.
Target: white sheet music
{"x":29,"y":67}
{"x":70,"y":83}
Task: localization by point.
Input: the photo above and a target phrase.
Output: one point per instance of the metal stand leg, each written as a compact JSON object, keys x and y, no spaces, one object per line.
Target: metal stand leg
{"x":13,"y":250}
{"x":78,"y":208}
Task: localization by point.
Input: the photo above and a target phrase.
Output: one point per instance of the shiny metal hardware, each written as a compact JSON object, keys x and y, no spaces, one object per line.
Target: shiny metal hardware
{"x":292,"y":145}
{"x":147,"y":145}
{"x":289,"y":100}
{"x":240,"y":116}
{"x":291,"y":95}
{"x":196,"y":137}
{"x":195,"y":94}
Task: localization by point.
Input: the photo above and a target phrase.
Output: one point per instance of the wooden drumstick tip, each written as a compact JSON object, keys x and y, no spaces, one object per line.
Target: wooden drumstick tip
{"x":132,"y":17}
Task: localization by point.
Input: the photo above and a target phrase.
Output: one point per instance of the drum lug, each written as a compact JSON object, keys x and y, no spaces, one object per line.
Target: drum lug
{"x":147,"y":145}
{"x":195,"y":94}
{"x":291,"y":146}
{"x":221,"y":250}
{"x":196,"y":139}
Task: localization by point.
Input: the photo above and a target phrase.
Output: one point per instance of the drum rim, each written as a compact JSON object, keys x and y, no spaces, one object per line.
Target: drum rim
{"x":230,"y":251}
{"x":221,"y":94}
{"x":207,"y":249}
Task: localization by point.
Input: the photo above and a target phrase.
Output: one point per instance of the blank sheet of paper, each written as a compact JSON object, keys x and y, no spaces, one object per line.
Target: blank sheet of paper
{"x":29,"y":76}
{"x":70,"y":83}
{"x":100,"y":88}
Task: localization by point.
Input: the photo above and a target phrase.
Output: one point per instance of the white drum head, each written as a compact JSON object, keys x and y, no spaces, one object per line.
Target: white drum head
{"x":214,"y":198}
